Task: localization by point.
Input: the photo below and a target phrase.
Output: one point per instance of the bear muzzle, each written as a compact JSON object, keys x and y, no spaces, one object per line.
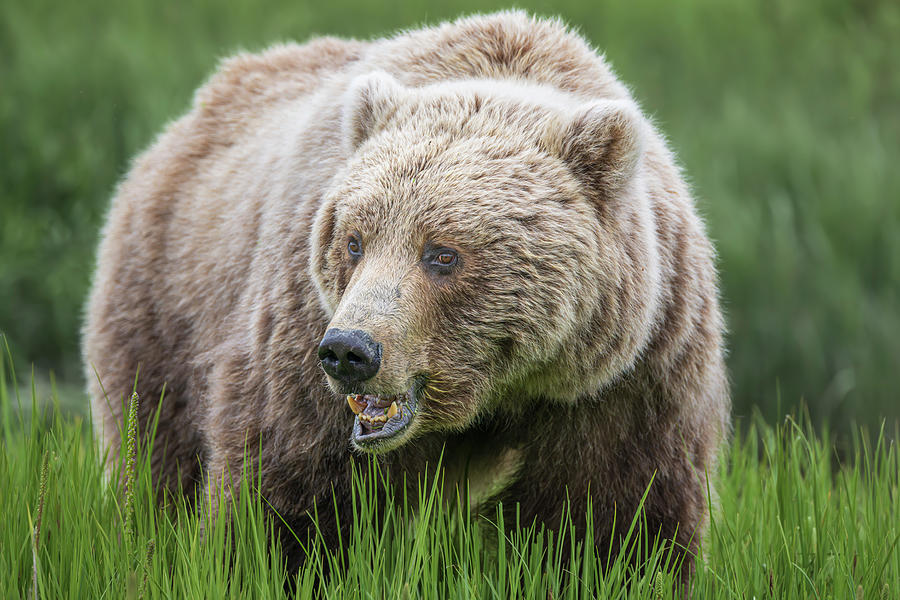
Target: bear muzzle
{"x":352,"y":358}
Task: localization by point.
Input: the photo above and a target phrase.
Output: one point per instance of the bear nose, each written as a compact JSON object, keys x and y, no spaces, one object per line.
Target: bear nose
{"x":350,"y":356}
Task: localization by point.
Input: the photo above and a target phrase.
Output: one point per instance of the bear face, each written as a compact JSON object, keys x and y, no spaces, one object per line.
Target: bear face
{"x":478,"y":253}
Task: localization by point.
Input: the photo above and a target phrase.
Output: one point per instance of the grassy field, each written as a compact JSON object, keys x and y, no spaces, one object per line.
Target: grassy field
{"x":791,"y":522}
{"x":784,"y":116}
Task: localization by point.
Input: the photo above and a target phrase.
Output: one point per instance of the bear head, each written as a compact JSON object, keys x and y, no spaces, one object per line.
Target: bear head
{"x":486,"y":245}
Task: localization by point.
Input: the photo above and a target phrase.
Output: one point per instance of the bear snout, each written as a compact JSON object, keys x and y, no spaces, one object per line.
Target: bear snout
{"x":350,"y":356}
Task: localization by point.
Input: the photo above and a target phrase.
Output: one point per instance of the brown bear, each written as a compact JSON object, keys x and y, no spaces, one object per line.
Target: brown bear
{"x":468,"y":233}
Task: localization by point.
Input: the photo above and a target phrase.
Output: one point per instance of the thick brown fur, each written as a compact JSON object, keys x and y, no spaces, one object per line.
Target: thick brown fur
{"x":575,"y":350}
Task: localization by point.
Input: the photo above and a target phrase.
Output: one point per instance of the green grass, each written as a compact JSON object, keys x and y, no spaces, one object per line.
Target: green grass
{"x":784,"y":116}
{"x":791,"y":522}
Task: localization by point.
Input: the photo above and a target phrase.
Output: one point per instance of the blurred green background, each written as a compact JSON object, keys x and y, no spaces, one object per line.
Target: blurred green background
{"x":785,"y":116}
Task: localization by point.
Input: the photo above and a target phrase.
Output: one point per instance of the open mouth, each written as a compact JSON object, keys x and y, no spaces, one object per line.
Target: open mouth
{"x":379,"y":418}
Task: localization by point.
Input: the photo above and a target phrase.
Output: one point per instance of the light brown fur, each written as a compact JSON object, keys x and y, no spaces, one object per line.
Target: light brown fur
{"x":581,"y":332}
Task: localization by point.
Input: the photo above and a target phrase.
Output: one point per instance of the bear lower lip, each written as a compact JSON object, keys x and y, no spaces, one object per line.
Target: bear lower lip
{"x":380,"y":418}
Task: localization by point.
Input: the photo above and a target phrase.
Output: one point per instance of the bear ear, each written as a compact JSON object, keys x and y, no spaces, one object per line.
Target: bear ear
{"x":602,"y":143}
{"x":369,"y":102}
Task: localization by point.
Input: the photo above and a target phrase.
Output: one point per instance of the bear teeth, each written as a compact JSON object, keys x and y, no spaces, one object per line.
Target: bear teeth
{"x":355,"y":405}
{"x":373,"y":419}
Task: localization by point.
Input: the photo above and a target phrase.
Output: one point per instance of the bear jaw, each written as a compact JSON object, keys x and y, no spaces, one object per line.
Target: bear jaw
{"x":382,"y":423}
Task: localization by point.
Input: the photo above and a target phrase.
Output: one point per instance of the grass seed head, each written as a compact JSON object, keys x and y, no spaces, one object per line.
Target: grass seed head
{"x":130,"y":461}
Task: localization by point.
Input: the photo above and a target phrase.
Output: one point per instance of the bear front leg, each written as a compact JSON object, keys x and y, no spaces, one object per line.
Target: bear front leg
{"x":291,"y":437}
{"x":599,"y":463}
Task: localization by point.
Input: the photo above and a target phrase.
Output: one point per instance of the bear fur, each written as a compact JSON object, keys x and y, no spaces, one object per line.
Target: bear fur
{"x":574,"y":350}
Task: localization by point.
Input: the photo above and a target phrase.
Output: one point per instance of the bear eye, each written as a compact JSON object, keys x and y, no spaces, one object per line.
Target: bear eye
{"x":354,"y":247}
{"x":446,"y":259}
{"x":441,"y":260}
